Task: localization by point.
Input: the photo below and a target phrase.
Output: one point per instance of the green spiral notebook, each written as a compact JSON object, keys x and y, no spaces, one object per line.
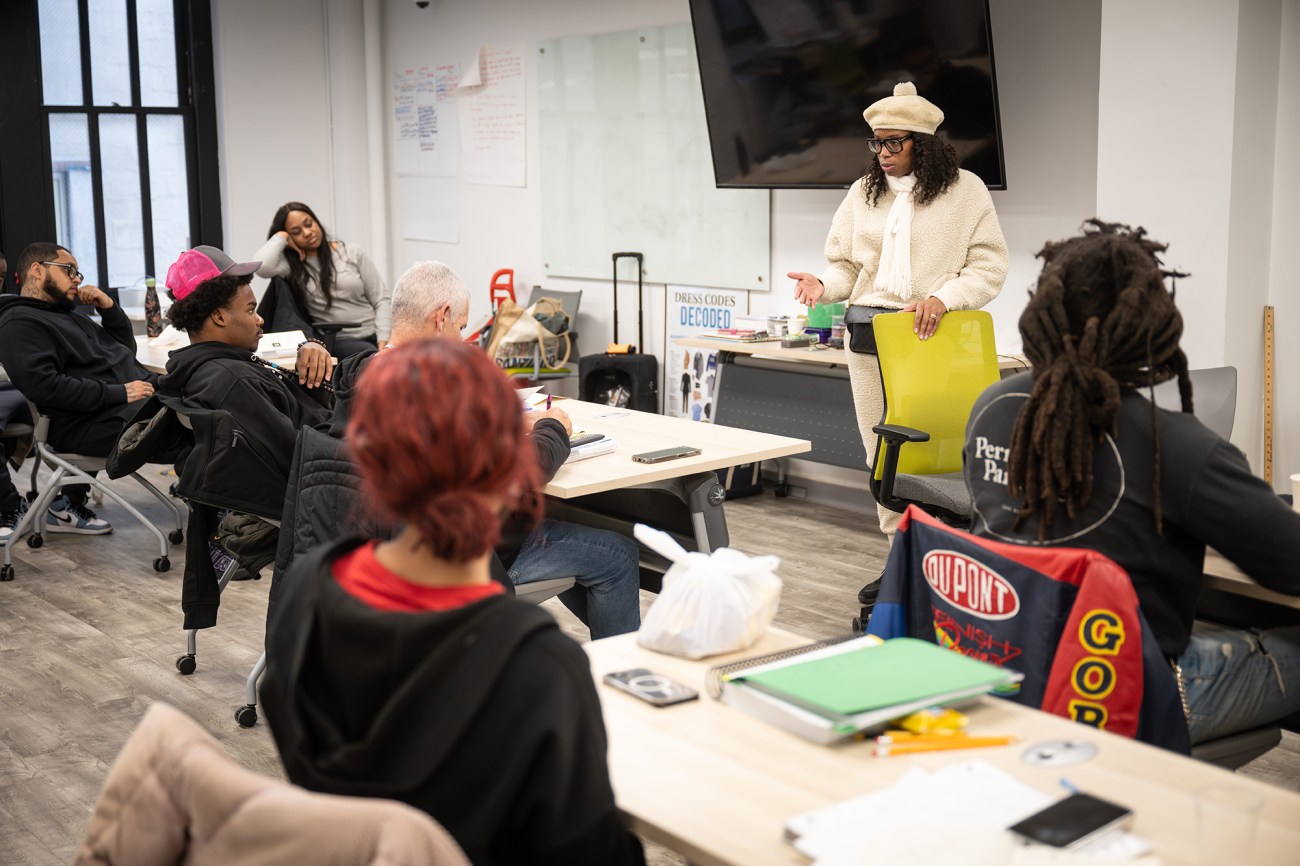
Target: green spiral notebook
{"x":857,"y":686}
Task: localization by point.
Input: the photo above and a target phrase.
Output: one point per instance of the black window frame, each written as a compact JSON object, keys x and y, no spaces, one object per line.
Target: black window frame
{"x":27,"y":207}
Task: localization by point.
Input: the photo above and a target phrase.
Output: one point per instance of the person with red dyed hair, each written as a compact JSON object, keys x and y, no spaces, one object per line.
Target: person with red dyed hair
{"x":400,"y":669}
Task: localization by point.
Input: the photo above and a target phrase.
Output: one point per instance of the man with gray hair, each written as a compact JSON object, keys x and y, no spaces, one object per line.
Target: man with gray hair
{"x":430,"y":300}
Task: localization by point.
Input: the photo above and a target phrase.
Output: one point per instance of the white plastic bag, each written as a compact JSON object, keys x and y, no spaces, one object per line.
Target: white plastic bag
{"x":710,"y":603}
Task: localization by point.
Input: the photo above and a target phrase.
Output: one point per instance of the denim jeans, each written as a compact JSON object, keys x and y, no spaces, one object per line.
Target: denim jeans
{"x":607,"y":598}
{"x":1237,"y":679}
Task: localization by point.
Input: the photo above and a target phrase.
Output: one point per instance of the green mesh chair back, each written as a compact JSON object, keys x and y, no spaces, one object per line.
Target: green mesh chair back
{"x":931,"y":385}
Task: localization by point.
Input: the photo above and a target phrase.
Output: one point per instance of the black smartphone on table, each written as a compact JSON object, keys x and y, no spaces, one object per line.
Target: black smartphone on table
{"x":651,"y":687}
{"x":1073,"y":821}
{"x":666,"y":454}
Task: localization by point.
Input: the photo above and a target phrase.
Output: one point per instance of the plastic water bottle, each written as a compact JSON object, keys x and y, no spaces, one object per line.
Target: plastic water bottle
{"x":152,"y":310}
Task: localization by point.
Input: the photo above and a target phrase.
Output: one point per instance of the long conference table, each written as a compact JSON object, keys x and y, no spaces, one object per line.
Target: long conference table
{"x":718,"y":786}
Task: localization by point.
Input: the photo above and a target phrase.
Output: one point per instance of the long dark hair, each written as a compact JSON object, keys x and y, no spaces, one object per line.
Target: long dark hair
{"x":298,"y":275}
{"x":934,"y":162}
{"x":1100,"y":320}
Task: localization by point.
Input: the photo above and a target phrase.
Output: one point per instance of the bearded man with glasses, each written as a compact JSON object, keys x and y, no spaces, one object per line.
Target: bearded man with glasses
{"x":83,"y":375}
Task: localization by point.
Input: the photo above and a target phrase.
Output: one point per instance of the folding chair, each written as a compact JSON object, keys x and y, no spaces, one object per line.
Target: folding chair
{"x":76,"y":469}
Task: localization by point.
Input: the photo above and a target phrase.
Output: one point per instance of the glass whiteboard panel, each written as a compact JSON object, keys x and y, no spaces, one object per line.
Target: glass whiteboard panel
{"x":626,"y":166}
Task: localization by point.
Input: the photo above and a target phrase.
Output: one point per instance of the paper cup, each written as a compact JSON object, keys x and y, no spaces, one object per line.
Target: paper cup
{"x":1226,"y":819}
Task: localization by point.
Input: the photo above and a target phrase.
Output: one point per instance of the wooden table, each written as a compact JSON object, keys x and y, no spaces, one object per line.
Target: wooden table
{"x":638,"y":432}
{"x":682,"y":497}
{"x":1222,"y":575}
{"x":155,"y":359}
{"x":823,"y":356}
{"x":717,"y":786}
{"x":793,"y":392}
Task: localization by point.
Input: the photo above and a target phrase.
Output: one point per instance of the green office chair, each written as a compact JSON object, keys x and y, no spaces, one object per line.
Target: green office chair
{"x":930,"y":387}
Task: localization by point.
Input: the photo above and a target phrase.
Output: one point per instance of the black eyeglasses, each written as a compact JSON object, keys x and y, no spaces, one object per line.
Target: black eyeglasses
{"x":73,"y":273}
{"x":895,"y":145}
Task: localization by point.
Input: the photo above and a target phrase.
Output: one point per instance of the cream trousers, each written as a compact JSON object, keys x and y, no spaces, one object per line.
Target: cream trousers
{"x":869,"y":402}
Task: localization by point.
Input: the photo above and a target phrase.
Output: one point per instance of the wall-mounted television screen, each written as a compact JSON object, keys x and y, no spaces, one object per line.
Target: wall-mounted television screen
{"x":785,"y":83}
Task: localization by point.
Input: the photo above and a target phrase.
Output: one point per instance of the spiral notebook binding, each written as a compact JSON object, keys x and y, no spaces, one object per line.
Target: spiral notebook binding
{"x":713,"y":676}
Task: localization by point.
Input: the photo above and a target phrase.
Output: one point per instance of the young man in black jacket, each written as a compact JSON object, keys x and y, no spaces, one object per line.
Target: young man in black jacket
{"x":215,"y":305}
{"x":83,"y":375}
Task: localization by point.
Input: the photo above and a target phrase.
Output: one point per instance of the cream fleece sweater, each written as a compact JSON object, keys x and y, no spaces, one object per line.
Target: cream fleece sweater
{"x":958,"y":252}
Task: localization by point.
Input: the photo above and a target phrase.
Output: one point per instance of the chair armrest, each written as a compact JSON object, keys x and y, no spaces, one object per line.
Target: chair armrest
{"x":333,"y":327}
{"x":897,"y":434}
{"x":329,"y":330}
{"x":888,"y":446}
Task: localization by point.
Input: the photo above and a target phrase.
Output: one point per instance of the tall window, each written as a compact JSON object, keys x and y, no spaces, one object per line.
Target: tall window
{"x":117,"y":97}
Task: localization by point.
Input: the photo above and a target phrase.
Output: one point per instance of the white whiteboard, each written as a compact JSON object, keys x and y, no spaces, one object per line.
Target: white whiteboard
{"x":626,"y":167}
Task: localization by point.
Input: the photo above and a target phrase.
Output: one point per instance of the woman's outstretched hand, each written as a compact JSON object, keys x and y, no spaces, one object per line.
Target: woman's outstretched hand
{"x":807,"y":288}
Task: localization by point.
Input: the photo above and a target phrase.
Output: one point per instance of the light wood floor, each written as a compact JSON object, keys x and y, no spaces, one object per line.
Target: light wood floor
{"x":89,"y":635}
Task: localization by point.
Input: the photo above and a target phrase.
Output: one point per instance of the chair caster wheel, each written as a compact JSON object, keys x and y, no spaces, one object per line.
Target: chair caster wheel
{"x":859,"y":627}
{"x":782,"y":490}
{"x":6,"y":573}
{"x":246,"y":716}
{"x":176,"y":536}
{"x":162,"y":563}
{"x":186,"y":664}
{"x":35,"y":541}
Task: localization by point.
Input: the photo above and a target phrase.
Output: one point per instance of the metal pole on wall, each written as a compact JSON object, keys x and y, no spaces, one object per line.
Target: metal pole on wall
{"x":1268,"y":395}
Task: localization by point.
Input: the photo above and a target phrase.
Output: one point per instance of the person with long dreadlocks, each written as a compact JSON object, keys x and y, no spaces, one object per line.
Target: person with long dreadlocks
{"x":1075,"y":453}
{"x":917,"y":234}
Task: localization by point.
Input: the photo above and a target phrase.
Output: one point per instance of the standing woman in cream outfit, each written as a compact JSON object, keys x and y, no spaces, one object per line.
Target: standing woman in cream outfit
{"x":917,"y":233}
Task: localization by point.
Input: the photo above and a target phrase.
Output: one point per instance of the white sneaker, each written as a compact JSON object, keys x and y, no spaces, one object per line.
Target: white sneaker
{"x":65,"y":517}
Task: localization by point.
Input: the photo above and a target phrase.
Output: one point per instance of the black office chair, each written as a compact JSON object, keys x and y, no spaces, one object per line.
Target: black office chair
{"x":281,"y":312}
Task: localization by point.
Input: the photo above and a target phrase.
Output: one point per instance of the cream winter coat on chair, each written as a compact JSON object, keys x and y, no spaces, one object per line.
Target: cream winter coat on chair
{"x":174,"y":797}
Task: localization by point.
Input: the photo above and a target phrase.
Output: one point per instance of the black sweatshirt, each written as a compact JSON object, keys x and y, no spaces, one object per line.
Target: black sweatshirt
{"x":1208,"y":495}
{"x":64,"y":362}
{"x":485,"y":716}
{"x":220,"y":376}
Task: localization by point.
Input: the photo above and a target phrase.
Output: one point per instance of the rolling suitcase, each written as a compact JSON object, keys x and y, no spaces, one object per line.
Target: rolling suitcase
{"x":621,"y":376}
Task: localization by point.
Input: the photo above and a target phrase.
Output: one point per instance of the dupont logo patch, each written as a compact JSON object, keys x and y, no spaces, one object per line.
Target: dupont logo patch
{"x":970,"y":585}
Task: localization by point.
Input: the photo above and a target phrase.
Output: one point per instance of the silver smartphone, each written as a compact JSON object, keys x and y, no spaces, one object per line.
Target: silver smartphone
{"x":651,"y":687}
{"x":666,"y":454}
{"x":1073,"y":821}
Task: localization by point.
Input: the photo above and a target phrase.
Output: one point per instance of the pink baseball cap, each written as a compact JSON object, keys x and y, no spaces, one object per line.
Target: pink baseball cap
{"x":203,"y":263}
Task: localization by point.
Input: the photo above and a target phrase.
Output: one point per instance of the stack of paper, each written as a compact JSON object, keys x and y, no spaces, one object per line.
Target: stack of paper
{"x":926,"y":817}
{"x":859,"y":685}
{"x":279,"y":344}
{"x":604,"y":445}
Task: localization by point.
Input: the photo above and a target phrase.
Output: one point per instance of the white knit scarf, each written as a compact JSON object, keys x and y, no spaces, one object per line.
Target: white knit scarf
{"x":894,"y":275}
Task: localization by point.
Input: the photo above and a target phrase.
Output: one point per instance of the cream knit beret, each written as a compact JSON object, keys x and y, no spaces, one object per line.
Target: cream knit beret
{"x":904,"y":110}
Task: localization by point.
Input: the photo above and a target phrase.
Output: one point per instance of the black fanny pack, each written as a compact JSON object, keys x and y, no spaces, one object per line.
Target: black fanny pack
{"x":857,"y":321}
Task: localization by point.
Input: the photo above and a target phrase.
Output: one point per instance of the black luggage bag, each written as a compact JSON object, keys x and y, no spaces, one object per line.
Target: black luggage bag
{"x":628,"y":379}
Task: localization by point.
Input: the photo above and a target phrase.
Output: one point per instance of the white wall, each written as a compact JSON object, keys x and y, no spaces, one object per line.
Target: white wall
{"x":291,"y":116}
{"x":1109,"y":108}
{"x":1284,"y":279}
{"x":1046,"y":57}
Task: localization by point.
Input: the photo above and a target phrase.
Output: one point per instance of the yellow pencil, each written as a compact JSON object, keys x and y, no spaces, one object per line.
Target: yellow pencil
{"x":953,"y":742}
